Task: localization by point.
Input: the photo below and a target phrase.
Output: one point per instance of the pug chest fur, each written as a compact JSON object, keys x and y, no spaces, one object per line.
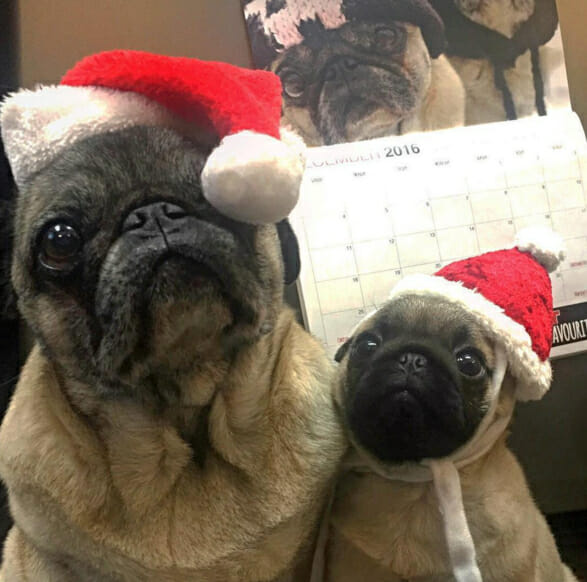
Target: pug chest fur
{"x":413,"y":384}
{"x":174,"y":422}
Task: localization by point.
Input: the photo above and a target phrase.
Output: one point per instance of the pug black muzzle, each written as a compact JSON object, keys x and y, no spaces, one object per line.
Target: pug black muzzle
{"x":415,"y":385}
{"x":163,"y":252}
{"x":407,"y":405}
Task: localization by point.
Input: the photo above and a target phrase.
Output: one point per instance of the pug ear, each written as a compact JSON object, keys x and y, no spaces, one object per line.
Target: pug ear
{"x":289,"y":251}
{"x":263,"y":47}
{"x":341,"y":352}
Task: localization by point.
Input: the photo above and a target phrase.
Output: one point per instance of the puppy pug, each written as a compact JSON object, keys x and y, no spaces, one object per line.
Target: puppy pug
{"x":173,"y":422}
{"x":357,"y":70}
{"x":420,"y":390}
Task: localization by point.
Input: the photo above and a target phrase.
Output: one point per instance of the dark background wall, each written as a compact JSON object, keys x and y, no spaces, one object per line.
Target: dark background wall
{"x":8,"y":317}
{"x":8,"y":43}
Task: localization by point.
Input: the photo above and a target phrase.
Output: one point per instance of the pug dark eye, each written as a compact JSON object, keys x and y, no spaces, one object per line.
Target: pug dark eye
{"x":367,"y":344}
{"x":387,"y":38}
{"x":60,"y":247}
{"x":470,"y":363}
{"x":293,"y":84}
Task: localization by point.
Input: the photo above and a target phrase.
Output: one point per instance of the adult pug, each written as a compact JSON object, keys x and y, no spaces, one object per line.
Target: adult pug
{"x":173,"y":422}
{"x":427,"y":386}
{"x":497,"y":48}
{"x":358,"y":70}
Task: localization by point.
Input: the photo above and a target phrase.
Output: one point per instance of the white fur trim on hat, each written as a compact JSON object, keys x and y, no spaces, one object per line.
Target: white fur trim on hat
{"x":38,"y":125}
{"x":533,"y":375}
{"x":546,"y":246}
{"x":254,"y":177}
{"x":249,"y":176}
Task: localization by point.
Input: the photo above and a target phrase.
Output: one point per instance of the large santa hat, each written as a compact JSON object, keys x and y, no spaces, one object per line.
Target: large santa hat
{"x":510,"y":295}
{"x":282,"y":22}
{"x":254,"y":171}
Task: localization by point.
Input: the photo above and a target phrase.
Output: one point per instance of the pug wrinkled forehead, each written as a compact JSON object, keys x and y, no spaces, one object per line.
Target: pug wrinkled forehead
{"x":420,"y":377}
{"x":151,"y":214}
{"x":350,"y":70}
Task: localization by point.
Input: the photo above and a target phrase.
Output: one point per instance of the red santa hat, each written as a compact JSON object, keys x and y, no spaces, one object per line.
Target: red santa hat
{"x":254,"y":171}
{"x":510,"y":295}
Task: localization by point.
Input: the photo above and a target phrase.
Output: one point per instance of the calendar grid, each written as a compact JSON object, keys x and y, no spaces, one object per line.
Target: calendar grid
{"x":356,"y":265}
{"x":373,"y":221}
{"x":317,"y":295}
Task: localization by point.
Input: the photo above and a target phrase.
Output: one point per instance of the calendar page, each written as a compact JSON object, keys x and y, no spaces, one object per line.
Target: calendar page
{"x":374,"y":211}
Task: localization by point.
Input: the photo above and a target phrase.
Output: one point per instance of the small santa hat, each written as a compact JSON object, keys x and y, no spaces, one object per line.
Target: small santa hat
{"x":283,"y":21}
{"x":510,"y":295}
{"x":254,"y":171}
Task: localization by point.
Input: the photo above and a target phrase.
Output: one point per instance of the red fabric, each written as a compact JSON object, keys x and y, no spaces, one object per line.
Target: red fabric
{"x":216,"y":96}
{"x":518,"y":284}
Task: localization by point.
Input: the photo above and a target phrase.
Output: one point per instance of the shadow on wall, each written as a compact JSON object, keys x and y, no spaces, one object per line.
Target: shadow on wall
{"x":9,"y":363}
{"x":9,"y":325}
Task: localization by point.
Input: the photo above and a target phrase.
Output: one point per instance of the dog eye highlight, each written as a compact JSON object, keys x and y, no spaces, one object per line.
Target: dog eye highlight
{"x":293,"y":84}
{"x":470,"y":363}
{"x":367,"y":344}
{"x":60,"y":247}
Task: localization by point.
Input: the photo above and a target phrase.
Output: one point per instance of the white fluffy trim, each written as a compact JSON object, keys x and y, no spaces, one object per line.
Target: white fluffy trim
{"x":543,"y":244}
{"x":254,"y":177}
{"x":534,"y":376}
{"x":38,"y":125}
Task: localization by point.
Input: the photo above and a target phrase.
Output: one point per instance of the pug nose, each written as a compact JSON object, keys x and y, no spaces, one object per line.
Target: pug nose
{"x":412,"y":362}
{"x":338,"y":67}
{"x":153,"y":216}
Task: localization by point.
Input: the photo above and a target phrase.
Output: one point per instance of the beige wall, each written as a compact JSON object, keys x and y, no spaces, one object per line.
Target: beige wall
{"x":54,"y":34}
{"x":573,"y":16}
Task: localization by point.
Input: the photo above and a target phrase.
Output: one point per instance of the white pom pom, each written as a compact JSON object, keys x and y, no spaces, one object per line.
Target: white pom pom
{"x":543,"y":244}
{"x":254,"y":177}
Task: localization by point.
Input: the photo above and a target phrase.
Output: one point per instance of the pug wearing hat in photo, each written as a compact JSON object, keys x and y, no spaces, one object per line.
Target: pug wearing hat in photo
{"x":498,"y":49}
{"x":354,"y":70}
{"x":173,"y":422}
{"x":427,"y":386}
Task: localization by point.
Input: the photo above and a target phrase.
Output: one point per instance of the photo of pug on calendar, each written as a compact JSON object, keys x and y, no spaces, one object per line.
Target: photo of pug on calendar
{"x":353,"y":70}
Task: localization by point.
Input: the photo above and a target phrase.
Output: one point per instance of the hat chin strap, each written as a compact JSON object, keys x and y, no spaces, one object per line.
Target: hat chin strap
{"x":447,"y":483}
{"x":444,"y":473}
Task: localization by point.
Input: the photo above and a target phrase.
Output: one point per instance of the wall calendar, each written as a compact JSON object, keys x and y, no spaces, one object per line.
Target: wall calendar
{"x":374,"y":211}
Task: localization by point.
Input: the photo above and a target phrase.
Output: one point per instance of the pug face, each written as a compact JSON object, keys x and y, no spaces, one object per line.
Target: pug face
{"x":414,"y":380}
{"x":356,"y":82}
{"x":128,"y":276}
{"x":503,"y":16}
